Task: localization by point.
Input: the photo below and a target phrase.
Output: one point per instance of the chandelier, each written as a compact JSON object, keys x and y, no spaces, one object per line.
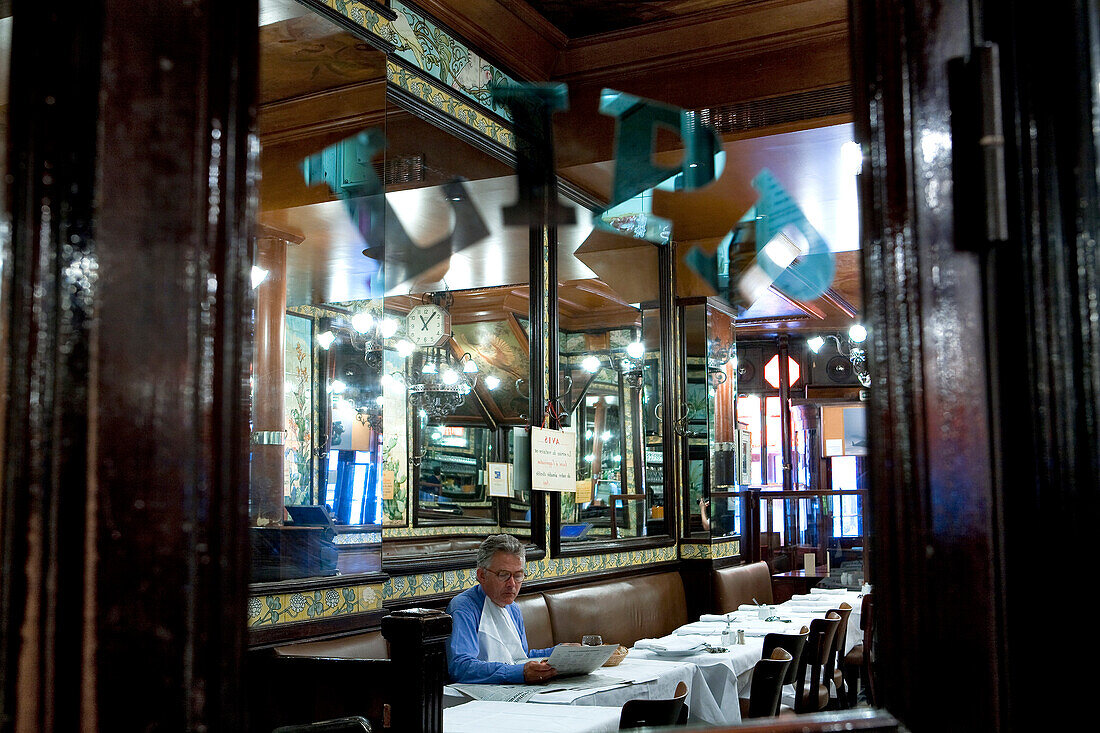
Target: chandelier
{"x":850,"y":346}
{"x":437,"y":383}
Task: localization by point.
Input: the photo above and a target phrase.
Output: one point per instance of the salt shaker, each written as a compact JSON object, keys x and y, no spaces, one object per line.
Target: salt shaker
{"x":727,"y":635}
{"x":741,"y":637}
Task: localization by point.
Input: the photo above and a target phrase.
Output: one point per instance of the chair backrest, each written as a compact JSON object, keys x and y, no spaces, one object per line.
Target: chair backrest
{"x":792,"y":643}
{"x":839,"y":639}
{"x":766,"y":689}
{"x":815,"y":655}
{"x":652,"y":713}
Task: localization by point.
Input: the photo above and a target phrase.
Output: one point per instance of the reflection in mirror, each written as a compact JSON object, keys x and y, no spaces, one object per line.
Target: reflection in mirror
{"x":315,"y":474}
{"x":610,"y":367}
{"x":463,"y":373}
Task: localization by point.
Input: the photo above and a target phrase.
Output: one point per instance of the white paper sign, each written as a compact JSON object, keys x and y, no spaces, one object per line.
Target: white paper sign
{"x":499,"y":479}
{"x":553,"y":460}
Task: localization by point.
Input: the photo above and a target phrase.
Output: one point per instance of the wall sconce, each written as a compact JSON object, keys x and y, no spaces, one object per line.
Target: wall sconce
{"x":849,"y":346}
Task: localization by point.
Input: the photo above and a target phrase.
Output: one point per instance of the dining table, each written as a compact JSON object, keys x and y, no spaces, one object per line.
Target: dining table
{"x":715,"y":671}
{"x":479,"y":716}
{"x":728,"y":673}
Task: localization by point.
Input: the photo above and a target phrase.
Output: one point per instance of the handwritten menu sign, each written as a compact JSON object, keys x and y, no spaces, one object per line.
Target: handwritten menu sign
{"x":553,"y":460}
{"x":388,"y":480}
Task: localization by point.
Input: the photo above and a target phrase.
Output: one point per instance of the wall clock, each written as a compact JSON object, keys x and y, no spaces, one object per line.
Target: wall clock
{"x":428,"y":325}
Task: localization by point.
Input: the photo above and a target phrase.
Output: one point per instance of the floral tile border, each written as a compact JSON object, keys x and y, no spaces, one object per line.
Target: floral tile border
{"x":702,"y":551}
{"x":436,"y":55}
{"x":284,"y":608}
{"x":449,"y":104}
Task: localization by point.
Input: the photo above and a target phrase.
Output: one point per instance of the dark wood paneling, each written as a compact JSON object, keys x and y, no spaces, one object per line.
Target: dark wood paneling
{"x":126,"y":475}
{"x":933,"y":497}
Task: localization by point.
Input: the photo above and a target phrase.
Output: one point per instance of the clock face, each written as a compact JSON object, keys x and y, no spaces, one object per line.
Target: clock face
{"x":428,"y":325}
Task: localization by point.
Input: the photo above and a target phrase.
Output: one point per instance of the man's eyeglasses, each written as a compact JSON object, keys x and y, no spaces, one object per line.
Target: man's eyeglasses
{"x":504,"y":575}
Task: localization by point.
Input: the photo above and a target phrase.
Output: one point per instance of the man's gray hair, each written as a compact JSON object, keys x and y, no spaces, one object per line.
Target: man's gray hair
{"x":495,"y":543}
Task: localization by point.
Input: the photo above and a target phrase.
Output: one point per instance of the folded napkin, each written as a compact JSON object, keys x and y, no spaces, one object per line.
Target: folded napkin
{"x":832,"y":591}
{"x":723,"y":617}
{"x":748,"y":607}
{"x":809,"y":598}
{"x":706,"y":628}
{"x":672,"y":644}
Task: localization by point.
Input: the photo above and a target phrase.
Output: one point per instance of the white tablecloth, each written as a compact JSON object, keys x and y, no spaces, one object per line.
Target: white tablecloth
{"x":505,"y":717}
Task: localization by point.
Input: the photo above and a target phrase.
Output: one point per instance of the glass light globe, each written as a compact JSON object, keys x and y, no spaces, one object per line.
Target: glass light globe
{"x":857,"y":333}
{"x":450,"y":376}
{"x":635,"y":350}
{"x":591,"y":364}
{"x":492,"y":382}
{"x":362,"y":321}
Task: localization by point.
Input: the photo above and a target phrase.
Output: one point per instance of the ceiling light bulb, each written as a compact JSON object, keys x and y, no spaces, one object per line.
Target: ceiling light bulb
{"x":325,"y":339}
{"x":857,"y":333}
{"x":492,"y":382}
{"x":635,"y":350}
{"x":362,"y":321}
{"x":259,"y":274}
{"x":429,"y":368}
{"x":591,"y":364}
{"x":405,"y":347}
{"x":389,"y":327}
{"x":450,"y":376}
{"x":390,"y":382}
{"x":338,"y":387}
{"x":470,"y":367}
{"x":815,"y":343}
{"x":606,"y":436}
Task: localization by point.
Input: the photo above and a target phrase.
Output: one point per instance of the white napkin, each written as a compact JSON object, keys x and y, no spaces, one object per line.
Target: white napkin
{"x":706,"y":628}
{"x":672,"y":643}
{"x":747,"y":607}
{"x":723,"y":617}
{"x":831,"y":591}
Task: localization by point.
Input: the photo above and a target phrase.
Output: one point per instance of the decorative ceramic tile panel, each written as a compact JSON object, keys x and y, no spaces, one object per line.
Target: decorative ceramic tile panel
{"x":298,"y":409}
{"x":283,"y":608}
{"x":717,"y":551}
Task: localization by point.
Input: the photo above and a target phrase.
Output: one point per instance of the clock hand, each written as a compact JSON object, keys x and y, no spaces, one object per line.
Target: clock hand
{"x":424,"y":322}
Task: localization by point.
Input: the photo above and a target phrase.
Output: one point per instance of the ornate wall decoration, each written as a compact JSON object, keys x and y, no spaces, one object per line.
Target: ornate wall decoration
{"x":284,"y":608}
{"x":298,"y":408}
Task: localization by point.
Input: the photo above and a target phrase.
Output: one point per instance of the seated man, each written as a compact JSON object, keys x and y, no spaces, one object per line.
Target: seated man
{"x":488,"y":642}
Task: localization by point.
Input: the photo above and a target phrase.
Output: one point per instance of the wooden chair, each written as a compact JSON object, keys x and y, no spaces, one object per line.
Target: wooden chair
{"x":653,"y":713}
{"x":858,"y":661}
{"x":834,"y":670}
{"x":793,"y":644}
{"x":811,"y":694}
{"x":768,"y":676}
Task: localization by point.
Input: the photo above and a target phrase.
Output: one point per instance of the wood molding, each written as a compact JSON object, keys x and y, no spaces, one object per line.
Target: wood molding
{"x":351,"y":107}
{"x":506,"y":31}
{"x":722,"y":34}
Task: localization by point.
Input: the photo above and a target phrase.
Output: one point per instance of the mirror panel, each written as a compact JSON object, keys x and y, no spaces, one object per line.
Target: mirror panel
{"x":316,"y":465}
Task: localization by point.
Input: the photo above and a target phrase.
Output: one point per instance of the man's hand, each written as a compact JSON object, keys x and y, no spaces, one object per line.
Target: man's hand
{"x":538,"y":672}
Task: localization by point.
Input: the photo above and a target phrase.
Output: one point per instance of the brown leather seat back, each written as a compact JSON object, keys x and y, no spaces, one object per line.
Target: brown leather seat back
{"x":371,"y":645}
{"x":621,"y":611}
{"x":738,"y":585}
{"x":536,"y":619}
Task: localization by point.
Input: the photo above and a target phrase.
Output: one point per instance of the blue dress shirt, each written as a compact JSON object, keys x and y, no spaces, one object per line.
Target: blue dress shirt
{"x":462,"y":650}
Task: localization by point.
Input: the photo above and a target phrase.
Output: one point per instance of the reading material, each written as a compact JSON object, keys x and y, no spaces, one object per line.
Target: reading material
{"x":580,"y":659}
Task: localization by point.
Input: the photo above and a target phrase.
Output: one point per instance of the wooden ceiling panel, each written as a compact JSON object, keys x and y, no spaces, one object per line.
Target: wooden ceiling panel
{"x":576,"y":18}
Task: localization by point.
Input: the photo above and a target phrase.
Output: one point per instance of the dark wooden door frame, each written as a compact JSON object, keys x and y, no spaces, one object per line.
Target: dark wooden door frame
{"x":125,"y":569}
{"x":985,"y":403}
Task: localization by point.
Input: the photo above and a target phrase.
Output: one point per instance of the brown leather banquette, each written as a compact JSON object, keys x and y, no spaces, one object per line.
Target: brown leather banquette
{"x":621,"y":611}
{"x":737,"y":585}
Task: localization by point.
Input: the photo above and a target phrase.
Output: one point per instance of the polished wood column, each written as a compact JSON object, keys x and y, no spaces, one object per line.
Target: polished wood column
{"x":268,"y":376}
{"x":124,"y":493}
